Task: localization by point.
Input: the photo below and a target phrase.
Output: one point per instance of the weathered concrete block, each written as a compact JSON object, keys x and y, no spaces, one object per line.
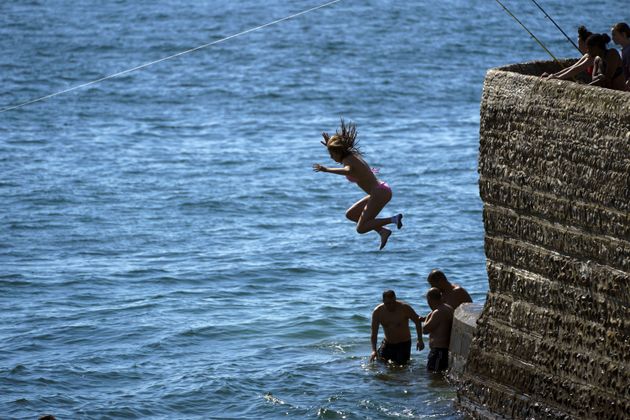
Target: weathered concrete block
{"x":464,"y":326}
{"x":553,"y":339}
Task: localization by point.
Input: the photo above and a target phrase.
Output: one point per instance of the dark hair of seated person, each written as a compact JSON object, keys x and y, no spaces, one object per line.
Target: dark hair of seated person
{"x":583,"y":33}
{"x":598,"y":40}
{"x":622,"y":27}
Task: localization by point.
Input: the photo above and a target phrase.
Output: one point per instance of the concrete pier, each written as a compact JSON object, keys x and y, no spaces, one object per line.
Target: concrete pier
{"x":553,"y":339}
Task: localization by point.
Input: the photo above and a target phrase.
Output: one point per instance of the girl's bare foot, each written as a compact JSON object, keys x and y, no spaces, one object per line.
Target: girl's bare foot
{"x":384,"y":237}
{"x":398,"y":220}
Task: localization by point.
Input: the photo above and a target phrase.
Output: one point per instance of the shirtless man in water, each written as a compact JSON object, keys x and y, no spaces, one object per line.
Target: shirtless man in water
{"x":394,"y":316}
{"x":438,"y":325}
{"x":452,"y":294}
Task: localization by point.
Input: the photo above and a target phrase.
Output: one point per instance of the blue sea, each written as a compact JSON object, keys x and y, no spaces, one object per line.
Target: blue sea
{"x":166,"y":250}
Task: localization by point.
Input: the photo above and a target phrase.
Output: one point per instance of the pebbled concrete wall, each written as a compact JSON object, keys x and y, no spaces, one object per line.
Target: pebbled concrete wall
{"x":462,"y":332}
{"x":553,"y":339}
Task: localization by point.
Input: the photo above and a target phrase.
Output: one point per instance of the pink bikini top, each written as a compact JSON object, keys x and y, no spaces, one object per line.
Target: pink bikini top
{"x":354,"y":180}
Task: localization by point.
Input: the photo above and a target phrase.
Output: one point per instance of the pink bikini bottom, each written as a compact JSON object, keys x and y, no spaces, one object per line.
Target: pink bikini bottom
{"x":383,"y":186}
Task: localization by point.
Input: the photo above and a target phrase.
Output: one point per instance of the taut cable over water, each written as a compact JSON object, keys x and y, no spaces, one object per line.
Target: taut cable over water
{"x":529,"y":32}
{"x":120,"y":73}
{"x":557,"y":26}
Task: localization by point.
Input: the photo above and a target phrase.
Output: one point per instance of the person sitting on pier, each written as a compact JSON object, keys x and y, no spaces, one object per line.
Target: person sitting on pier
{"x":621,"y":36}
{"x":438,"y":325}
{"x":583,"y":65}
{"x":453,"y":294}
{"x":607,"y":69}
{"x":394,"y":316}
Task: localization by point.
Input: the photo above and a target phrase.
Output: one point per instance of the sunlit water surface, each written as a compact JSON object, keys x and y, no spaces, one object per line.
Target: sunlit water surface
{"x":166,"y":250}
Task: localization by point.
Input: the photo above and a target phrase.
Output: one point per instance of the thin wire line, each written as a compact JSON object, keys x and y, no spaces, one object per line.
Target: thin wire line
{"x":557,"y":26}
{"x":529,"y":32}
{"x":120,"y":73}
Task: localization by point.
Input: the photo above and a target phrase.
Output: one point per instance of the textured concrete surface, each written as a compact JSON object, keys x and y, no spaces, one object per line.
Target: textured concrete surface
{"x":553,"y":340}
{"x":464,"y":325}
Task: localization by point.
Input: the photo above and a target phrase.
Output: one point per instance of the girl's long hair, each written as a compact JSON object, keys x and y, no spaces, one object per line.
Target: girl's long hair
{"x":344,"y":141}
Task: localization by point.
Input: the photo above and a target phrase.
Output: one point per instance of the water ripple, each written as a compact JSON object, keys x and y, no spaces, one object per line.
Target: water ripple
{"x":166,"y":249}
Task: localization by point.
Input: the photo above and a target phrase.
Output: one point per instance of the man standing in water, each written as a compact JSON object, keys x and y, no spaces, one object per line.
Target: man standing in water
{"x":394,"y":316}
{"x":452,"y":294}
{"x":438,"y":325}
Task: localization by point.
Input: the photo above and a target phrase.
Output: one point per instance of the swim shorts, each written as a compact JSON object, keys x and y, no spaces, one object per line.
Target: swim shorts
{"x":437,"y":360}
{"x":398,"y":353}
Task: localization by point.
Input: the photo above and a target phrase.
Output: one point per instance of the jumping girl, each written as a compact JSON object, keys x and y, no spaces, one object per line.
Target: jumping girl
{"x":343,"y":148}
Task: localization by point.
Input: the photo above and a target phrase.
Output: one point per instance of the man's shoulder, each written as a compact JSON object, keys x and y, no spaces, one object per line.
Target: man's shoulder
{"x":406,"y":306}
{"x":445,"y":310}
{"x":460,"y":291}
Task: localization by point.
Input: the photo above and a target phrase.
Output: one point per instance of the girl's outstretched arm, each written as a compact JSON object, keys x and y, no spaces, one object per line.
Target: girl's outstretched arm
{"x":339,"y":171}
{"x":578,"y":67}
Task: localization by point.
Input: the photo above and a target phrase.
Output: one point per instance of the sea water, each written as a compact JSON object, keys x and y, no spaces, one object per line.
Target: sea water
{"x":166,"y":250}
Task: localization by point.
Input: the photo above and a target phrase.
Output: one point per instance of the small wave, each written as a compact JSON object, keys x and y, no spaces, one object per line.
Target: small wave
{"x":268,"y":95}
{"x":335,"y":347}
{"x":298,"y":270}
{"x":8,"y":184}
{"x":46,"y":381}
{"x":329,"y":413}
{"x":22,"y":401}
{"x":26,"y":141}
{"x":273,"y":400}
{"x":18,"y":369}
{"x":206,"y":331}
{"x":208,"y":204}
{"x":311,"y":333}
{"x":14,"y":280}
{"x":141,"y":273}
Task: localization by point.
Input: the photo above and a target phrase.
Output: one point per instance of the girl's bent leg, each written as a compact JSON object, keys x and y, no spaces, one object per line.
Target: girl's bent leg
{"x":354,"y":212}
{"x":375,"y":204}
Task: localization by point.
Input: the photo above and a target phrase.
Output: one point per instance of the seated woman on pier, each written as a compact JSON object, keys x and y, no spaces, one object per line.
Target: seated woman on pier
{"x":621,"y":36}
{"x":607,"y":68}
{"x":583,"y":65}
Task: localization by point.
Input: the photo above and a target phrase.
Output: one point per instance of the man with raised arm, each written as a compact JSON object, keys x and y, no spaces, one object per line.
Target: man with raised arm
{"x":438,"y":325}
{"x":394,"y":316}
{"x":452,"y":294}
